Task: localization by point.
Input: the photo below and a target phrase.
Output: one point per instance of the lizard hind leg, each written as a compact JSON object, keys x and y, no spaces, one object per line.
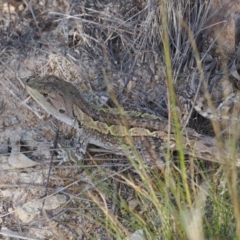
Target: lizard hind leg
{"x":152,"y":152}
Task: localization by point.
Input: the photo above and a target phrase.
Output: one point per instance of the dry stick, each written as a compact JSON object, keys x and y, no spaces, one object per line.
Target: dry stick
{"x":50,"y":167}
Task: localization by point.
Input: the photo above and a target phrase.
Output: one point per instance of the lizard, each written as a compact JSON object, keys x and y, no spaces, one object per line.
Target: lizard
{"x":104,"y":127}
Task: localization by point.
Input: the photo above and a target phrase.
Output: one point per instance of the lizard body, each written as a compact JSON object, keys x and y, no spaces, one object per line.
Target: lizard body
{"x":104,"y":128}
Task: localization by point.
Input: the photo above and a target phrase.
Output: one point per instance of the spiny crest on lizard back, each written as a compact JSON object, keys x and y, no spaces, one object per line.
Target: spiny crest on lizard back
{"x":60,"y":97}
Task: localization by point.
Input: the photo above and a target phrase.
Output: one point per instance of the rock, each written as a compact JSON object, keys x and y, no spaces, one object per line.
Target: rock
{"x":30,"y":210}
{"x":223,"y":24}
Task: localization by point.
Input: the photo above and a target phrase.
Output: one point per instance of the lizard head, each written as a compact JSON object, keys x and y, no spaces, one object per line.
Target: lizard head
{"x":54,"y":96}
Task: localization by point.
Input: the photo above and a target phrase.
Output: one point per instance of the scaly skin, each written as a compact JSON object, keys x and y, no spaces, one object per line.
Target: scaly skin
{"x":104,"y":128}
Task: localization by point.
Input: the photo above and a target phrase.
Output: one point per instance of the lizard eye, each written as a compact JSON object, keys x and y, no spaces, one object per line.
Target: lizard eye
{"x":45,"y":95}
{"x":61,"y":110}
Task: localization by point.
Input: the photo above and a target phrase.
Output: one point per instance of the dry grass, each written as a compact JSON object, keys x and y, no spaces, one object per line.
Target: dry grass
{"x":136,"y":51}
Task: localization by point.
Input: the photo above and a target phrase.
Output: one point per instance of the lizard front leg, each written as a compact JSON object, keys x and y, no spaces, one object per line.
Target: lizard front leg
{"x":83,"y":139}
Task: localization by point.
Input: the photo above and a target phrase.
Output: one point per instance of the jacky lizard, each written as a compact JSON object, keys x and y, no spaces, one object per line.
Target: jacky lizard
{"x":108,"y":128}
